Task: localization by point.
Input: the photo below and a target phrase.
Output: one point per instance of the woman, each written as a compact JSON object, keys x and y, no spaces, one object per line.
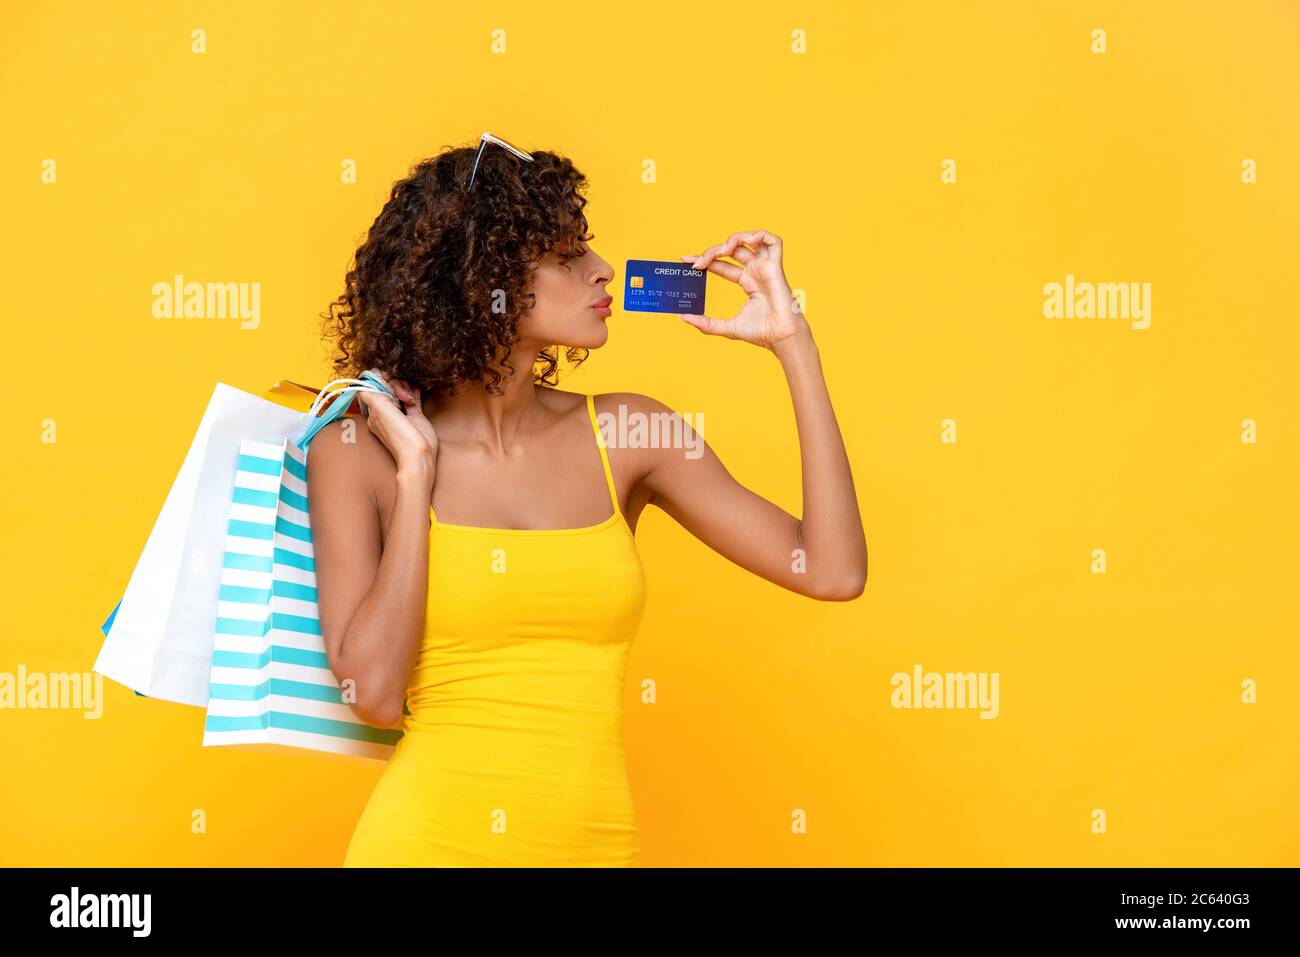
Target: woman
{"x":479,"y":582}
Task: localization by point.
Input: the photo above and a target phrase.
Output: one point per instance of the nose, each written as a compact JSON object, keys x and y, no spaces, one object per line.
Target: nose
{"x":601,"y":272}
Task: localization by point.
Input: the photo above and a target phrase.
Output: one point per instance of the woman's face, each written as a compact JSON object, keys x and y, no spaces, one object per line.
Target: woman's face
{"x":571,"y":305}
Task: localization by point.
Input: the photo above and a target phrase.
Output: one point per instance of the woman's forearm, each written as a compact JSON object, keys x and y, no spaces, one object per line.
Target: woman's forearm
{"x":830,"y":531}
{"x":381,"y":641}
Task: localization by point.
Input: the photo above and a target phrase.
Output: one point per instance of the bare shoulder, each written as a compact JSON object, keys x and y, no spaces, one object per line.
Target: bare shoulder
{"x":346,"y":453}
{"x":647,"y":431}
{"x":629,"y":402}
{"x":636,"y":410}
{"x":616,"y":405}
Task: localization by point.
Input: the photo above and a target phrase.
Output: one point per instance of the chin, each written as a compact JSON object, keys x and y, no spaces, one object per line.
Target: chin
{"x":592,"y":336}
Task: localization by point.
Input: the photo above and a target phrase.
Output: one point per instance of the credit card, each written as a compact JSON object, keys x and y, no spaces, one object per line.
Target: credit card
{"x":654,"y":286}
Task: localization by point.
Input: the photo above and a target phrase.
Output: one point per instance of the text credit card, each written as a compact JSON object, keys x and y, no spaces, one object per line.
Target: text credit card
{"x":653,"y":286}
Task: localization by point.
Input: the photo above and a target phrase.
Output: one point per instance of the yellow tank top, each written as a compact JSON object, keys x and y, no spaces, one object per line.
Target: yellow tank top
{"x":512,"y":754}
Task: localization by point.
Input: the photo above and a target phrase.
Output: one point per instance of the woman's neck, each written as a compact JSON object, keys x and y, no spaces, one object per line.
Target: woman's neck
{"x":472,"y":415}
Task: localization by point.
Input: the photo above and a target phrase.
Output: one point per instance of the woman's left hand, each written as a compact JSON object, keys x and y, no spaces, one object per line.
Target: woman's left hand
{"x":771,"y":314}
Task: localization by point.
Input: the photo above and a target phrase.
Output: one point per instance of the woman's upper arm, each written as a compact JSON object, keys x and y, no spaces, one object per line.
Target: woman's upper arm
{"x":345,"y":529}
{"x":692,"y":485}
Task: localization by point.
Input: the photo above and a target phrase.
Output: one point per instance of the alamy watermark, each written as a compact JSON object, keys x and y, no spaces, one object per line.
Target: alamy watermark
{"x":179,"y":299}
{"x":76,"y":909}
{"x":71,"y":690}
{"x":934,"y":689}
{"x":1101,"y":300}
{"x":652,"y":430}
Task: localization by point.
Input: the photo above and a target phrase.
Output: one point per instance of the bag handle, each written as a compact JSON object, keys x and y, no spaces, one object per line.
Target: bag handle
{"x":372,"y":380}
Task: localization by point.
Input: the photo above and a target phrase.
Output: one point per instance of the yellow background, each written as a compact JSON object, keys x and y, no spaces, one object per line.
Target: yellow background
{"x":1118,"y":691}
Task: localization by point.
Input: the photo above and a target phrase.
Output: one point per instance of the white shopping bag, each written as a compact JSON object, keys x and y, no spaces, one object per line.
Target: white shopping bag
{"x":272,"y":687}
{"x":158,"y":640}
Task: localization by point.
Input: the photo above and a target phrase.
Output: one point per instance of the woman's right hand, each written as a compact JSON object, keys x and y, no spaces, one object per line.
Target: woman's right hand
{"x":403,"y":427}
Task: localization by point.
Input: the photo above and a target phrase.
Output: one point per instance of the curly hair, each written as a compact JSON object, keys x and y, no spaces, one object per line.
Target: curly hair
{"x":436,"y":293}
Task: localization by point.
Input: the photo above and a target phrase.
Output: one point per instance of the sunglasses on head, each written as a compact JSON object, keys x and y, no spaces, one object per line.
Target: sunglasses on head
{"x":483,"y":142}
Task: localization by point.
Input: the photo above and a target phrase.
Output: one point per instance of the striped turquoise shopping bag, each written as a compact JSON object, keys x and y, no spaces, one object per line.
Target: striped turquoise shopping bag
{"x":271,"y":687}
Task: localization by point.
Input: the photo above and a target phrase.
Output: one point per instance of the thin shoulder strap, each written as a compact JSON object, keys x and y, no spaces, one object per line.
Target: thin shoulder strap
{"x":604,"y":456}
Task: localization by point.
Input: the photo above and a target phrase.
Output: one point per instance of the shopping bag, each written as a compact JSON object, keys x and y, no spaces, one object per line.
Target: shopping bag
{"x":271,"y":684}
{"x":108,"y":624}
{"x":158,"y":639}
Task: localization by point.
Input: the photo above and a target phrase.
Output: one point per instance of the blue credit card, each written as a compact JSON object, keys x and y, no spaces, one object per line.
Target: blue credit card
{"x":653,"y":286}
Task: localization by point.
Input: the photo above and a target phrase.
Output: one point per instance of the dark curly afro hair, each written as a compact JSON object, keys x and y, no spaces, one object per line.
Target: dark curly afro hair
{"x":438,"y":289}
